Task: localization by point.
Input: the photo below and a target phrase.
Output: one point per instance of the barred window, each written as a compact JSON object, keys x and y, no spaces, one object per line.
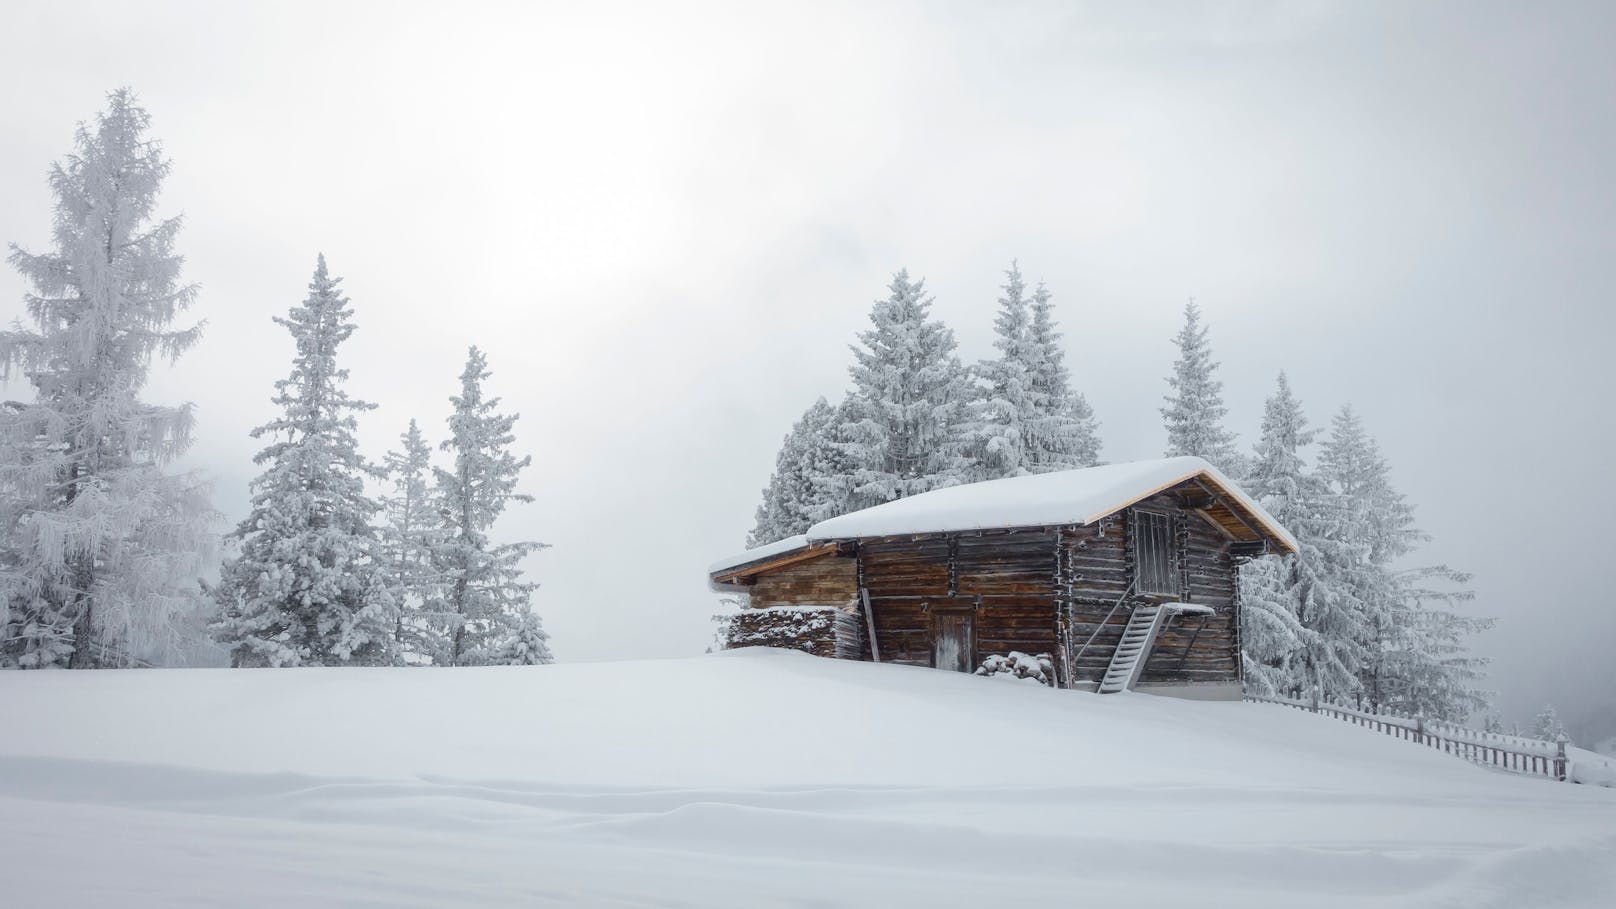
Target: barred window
{"x":1153,"y":553}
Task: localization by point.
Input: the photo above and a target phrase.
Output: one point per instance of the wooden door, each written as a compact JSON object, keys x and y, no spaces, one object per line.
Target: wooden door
{"x":952,"y":643}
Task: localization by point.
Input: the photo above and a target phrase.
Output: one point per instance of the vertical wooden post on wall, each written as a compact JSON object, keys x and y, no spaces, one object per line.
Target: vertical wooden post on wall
{"x":1560,"y":757}
{"x":869,"y":623}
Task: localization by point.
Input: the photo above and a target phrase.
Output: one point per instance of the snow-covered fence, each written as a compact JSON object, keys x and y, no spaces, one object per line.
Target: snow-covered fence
{"x":1514,"y":753}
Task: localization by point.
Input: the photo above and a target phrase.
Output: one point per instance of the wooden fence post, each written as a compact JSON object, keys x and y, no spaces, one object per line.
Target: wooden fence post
{"x":1560,"y":757}
{"x":1419,"y":729}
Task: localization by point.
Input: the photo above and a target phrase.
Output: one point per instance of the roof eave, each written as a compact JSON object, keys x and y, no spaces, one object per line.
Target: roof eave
{"x":738,"y":575}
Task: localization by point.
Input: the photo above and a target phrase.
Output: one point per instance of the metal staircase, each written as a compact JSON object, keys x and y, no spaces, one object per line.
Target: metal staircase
{"x":1134,"y":648}
{"x":1138,"y":638}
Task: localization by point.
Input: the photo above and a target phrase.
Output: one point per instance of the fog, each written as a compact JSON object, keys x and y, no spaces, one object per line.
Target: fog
{"x":665,"y":227}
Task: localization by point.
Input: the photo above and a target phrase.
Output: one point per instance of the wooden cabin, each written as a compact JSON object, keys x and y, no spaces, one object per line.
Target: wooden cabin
{"x":1126,"y":575}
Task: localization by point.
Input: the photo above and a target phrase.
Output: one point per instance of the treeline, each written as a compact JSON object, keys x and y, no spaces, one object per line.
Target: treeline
{"x":1346,"y":617}
{"x":918,"y":419}
{"x":101,"y":546}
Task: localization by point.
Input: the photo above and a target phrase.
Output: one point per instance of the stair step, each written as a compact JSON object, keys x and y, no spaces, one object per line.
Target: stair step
{"x":1141,"y":627}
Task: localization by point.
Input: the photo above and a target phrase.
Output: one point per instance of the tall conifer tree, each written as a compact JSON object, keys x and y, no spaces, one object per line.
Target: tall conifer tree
{"x":1194,"y":412}
{"x":101,"y":548}
{"x":1303,"y":614}
{"x":1065,"y":434}
{"x":1415,"y":659}
{"x":797,"y":495}
{"x":908,"y":414}
{"x":484,"y":601}
{"x":308,"y":587}
{"x":1005,"y":409}
{"x":1027,"y":418}
{"x":411,"y":530}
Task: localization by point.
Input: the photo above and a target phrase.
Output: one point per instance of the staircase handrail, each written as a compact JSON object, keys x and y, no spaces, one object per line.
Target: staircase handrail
{"x":1103,"y":622}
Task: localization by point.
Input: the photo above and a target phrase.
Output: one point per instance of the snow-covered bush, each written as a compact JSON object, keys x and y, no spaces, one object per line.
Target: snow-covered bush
{"x":1018,"y":666}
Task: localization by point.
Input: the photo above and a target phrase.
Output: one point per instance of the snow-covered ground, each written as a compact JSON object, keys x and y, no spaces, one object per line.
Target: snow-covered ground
{"x":755,"y":778}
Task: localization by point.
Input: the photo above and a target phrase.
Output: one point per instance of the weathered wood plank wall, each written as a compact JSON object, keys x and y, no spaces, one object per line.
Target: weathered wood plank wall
{"x":826,"y":581}
{"x":1009,"y":576}
{"x":1099,"y":562}
{"x":1036,"y":591}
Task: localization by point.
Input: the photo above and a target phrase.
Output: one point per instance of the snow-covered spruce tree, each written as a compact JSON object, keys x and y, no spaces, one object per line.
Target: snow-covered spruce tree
{"x":1194,"y":411}
{"x":908,"y":409}
{"x":1302,"y":621}
{"x":483,"y":602}
{"x":1005,"y":409}
{"x":410,"y":532}
{"x":1026,"y":418}
{"x":527,"y":644}
{"x":308,"y":586}
{"x":797,"y":495}
{"x":1065,"y":434}
{"x":1415,"y":658}
{"x":101,"y":548}
{"x":833,"y":468}
{"x":1271,"y":632}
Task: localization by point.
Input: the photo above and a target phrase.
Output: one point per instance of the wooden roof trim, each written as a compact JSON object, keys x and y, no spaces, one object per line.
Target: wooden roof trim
{"x":1252,"y":521}
{"x":806,"y":554}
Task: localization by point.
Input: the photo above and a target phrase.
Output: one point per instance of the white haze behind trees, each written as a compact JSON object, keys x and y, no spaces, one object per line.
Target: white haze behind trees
{"x":1407,"y":206}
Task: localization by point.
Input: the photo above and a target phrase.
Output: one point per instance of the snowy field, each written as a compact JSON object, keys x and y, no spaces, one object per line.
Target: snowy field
{"x":748,"y":779}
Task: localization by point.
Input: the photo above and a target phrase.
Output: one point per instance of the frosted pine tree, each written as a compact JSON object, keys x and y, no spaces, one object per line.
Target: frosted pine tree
{"x":527,"y":645}
{"x":102,"y":548}
{"x":1194,"y":412}
{"x":1027,"y":419}
{"x":1415,"y":658}
{"x":1065,"y":434}
{"x":1272,"y":636}
{"x":908,"y":411}
{"x":833,"y":469}
{"x":1004,"y":410}
{"x":410,"y":532}
{"x":308,"y":586}
{"x":797,"y":495}
{"x":1302,"y":620}
{"x":484,"y":602}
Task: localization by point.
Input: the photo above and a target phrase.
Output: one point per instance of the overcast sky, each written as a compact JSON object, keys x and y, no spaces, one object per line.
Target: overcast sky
{"x":665,"y":226}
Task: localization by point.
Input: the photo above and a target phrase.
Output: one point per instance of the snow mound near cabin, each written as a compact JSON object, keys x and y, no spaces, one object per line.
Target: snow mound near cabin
{"x":752,"y":778}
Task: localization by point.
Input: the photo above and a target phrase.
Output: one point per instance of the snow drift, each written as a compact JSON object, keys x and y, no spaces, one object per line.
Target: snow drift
{"x":750,"y":778}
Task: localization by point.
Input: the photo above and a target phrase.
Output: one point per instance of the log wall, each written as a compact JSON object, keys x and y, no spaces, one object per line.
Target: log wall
{"x":1007,"y":577}
{"x":1051,"y":590}
{"x":1097,"y":571}
{"x":826,"y":581}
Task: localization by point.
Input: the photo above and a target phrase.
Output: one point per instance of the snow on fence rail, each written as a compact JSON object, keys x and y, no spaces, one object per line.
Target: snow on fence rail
{"x":1514,"y":753}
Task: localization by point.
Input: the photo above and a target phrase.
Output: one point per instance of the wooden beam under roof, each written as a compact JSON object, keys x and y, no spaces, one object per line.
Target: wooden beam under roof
{"x":739,"y":575}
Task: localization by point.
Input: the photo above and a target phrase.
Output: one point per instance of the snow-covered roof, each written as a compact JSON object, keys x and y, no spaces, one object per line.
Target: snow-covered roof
{"x":1041,"y":500}
{"x":1068,"y":497}
{"x":779,"y":547}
